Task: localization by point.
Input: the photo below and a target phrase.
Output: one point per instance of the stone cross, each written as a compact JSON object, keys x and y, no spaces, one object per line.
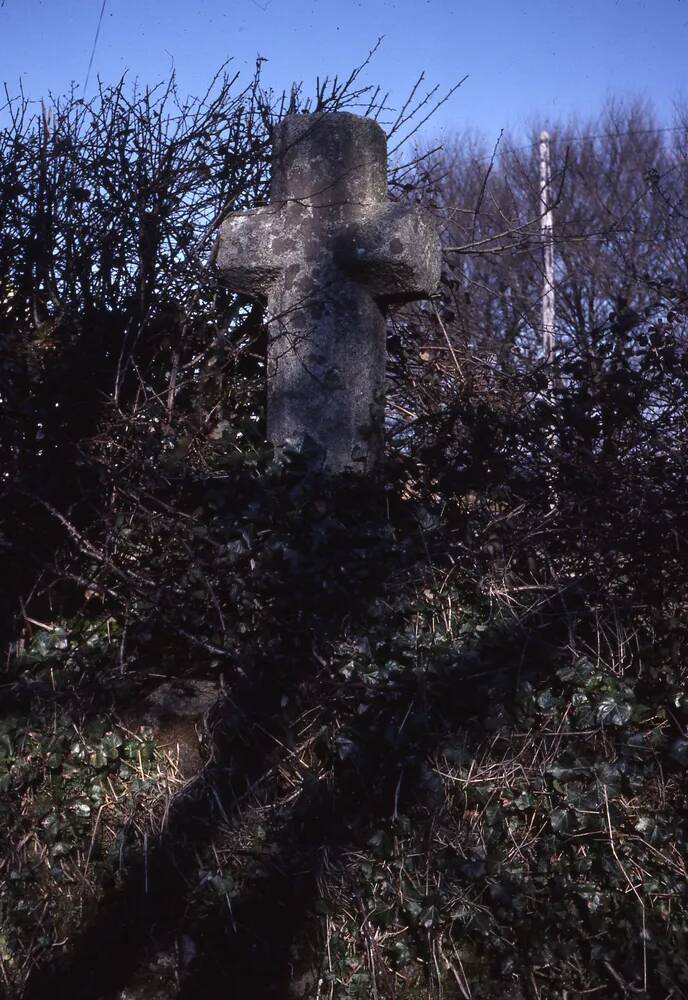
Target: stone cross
{"x":328,"y":254}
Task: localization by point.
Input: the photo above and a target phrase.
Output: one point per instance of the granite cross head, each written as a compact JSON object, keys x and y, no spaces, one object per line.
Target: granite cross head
{"x":327,"y":255}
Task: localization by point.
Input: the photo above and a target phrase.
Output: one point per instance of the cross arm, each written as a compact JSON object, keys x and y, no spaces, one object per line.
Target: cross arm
{"x":248,"y":254}
{"x":395,"y":252}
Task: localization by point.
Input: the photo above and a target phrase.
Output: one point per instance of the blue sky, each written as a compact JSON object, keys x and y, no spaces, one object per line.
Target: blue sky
{"x":526,"y":60}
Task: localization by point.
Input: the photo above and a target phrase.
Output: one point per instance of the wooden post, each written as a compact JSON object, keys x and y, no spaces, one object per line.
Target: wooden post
{"x":546,"y":219}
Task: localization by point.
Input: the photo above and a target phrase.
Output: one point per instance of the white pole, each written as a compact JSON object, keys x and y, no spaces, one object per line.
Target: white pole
{"x":546,"y":229}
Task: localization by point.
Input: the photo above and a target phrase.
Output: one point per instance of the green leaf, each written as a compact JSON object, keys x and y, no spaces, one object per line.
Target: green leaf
{"x":98,"y":758}
{"x":524,"y":801}
{"x":678,"y":751}
{"x":546,"y":700}
{"x":559,"y":820}
{"x":610,"y":712}
{"x":429,"y":916}
{"x":381,"y":843}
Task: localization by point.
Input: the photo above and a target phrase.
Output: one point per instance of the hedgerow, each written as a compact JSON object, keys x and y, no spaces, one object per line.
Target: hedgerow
{"x":419,"y":735}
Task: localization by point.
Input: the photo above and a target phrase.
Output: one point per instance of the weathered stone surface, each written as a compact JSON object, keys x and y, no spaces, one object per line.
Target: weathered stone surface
{"x":328,"y":254}
{"x":175,"y":711}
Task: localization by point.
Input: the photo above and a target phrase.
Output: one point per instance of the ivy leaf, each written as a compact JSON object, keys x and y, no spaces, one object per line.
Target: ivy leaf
{"x":429,"y":917}
{"x":546,"y":700}
{"x":524,"y":801}
{"x":559,"y":820}
{"x":610,"y":712}
{"x":110,"y":745}
{"x":381,"y":843}
{"x":678,"y":751}
{"x":98,"y":758}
